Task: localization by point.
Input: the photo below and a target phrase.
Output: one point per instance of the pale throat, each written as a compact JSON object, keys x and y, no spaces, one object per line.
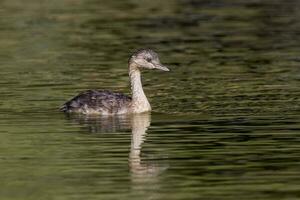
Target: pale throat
{"x":139,"y":100}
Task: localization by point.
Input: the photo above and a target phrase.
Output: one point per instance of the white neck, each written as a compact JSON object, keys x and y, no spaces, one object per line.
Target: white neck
{"x":139,"y":100}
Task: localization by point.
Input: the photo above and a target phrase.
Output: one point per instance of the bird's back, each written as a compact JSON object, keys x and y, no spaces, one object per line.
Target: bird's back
{"x":98,"y":102}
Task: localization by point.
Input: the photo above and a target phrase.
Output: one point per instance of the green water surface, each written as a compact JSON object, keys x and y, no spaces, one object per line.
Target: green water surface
{"x":225,"y":121}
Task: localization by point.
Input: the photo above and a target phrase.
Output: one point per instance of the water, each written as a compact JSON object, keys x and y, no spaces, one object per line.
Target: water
{"x":225,"y":121}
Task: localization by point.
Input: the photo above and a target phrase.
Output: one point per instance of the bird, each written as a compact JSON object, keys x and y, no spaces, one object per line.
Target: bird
{"x":104,"y":102}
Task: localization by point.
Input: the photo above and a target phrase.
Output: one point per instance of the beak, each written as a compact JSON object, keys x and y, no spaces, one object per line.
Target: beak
{"x":161,"y":67}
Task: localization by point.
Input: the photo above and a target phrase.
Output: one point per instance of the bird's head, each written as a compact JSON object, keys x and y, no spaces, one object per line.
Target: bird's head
{"x":147,"y":59}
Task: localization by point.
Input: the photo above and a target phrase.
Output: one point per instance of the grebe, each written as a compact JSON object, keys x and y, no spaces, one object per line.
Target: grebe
{"x":105,"y":102}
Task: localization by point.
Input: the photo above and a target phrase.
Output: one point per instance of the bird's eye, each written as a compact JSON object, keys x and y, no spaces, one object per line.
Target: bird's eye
{"x":148,"y":59}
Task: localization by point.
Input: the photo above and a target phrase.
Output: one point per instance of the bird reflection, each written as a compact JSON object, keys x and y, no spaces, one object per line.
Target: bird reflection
{"x":103,"y":124}
{"x":138,"y":124}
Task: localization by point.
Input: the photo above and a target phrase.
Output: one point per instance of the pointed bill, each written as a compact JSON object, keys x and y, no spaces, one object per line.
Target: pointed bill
{"x":161,"y":67}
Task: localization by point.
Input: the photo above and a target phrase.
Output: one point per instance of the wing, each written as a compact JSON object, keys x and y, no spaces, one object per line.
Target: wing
{"x":97,"y":101}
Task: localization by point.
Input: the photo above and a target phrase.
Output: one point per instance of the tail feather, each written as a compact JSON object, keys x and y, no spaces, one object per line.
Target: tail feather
{"x":64,"y":108}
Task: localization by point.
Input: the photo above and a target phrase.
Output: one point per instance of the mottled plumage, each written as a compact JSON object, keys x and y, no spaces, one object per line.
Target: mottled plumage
{"x":108,"y":103}
{"x":98,"y":101}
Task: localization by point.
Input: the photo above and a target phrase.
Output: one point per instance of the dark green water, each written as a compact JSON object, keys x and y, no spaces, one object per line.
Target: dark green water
{"x":225,"y":121}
